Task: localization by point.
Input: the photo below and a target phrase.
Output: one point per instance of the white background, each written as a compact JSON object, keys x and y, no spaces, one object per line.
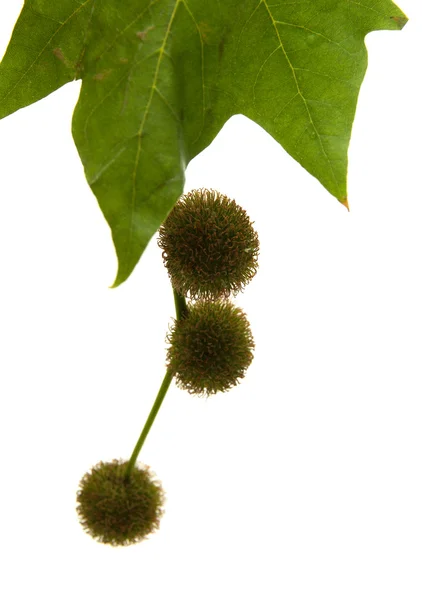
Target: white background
{"x":304,"y":482}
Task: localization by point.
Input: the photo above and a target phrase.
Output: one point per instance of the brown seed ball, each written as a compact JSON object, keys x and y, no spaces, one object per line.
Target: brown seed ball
{"x":210,"y":248}
{"x":117,"y":510}
{"x":210,"y":348}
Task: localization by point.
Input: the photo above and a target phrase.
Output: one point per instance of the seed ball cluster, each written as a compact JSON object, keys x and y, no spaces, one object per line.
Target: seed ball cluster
{"x":211,"y":348}
{"x":210,"y":248}
{"x":117,"y":510}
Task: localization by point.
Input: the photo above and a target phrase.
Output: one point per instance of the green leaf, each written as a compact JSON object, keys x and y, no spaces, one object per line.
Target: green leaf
{"x":161,"y":77}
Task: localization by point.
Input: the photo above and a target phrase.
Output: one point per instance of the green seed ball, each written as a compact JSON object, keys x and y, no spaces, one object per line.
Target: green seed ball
{"x":117,"y":510}
{"x":210,"y":248}
{"x":210,"y":348}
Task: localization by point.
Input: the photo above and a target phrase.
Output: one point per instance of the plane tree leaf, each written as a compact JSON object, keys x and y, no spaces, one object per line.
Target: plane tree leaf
{"x":161,"y":77}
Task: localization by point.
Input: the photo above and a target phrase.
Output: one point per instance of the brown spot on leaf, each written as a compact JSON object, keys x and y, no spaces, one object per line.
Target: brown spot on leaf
{"x":58,"y":54}
{"x":143,"y":34}
{"x":124,"y":60}
{"x":205,"y":32}
{"x":102,"y":75}
{"x":401,"y":21}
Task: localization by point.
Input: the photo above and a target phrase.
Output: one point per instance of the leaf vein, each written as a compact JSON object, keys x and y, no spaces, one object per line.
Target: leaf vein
{"x":314,"y":33}
{"x":123,"y":31}
{"x":281,"y":45}
{"x":167,"y":103}
{"x":145,"y":115}
{"x":81,"y":6}
{"x":48,"y":18}
{"x":111,"y":91}
{"x":377,"y":12}
{"x":348,"y":81}
{"x":202,"y":69}
{"x":108,"y":164}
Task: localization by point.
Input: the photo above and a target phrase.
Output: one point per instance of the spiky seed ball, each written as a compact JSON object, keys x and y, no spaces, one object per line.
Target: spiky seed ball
{"x":210,"y":348}
{"x":210,"y":248}
{"x":116,"y":510}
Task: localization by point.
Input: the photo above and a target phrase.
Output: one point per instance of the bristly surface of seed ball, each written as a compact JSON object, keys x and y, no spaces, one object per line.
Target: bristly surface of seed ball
{"x":210,"y":348}
{"x":210,"y":248}
{"x":116,"y":510}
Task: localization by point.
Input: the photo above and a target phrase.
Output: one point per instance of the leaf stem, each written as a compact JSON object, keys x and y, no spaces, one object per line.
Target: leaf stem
{"x":181,"y":311}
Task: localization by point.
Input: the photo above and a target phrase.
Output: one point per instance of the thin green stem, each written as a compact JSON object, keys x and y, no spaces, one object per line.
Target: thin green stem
{"x":181,"y":311}
{"x":148,"y":424}
{"x":180,"y":304}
